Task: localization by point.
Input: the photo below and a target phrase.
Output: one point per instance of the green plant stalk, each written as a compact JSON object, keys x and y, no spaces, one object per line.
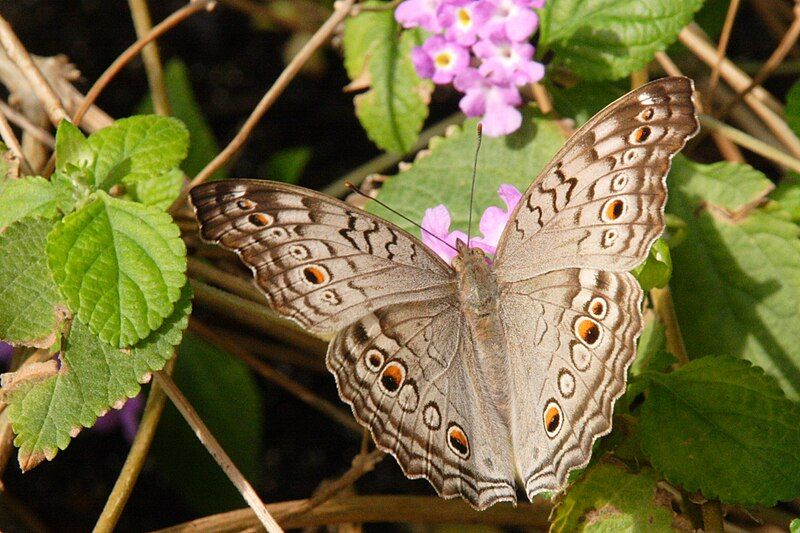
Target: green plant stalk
{"x":151,"y":57}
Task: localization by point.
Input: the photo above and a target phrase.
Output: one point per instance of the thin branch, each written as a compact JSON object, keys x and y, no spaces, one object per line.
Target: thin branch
{"x":416,"y":509}
{"x":712,"y":516}
{"x":543,"y":99}
{"x":27,"y":126}
{"x":665,"y":309}
{"x":150,"y":56}
{"x":733,"y":8}
{"x":778,"y":55}
{"x":160,"y":29}
{"x":207,"y":439}
{"x":694,"y":39}
{"x":20,"y":56}
{"x":232,"y":283}
{"x":751,"y":143}
{"x":12,"y":142}
{"x":323,"y":406}
{"x":639,"y":78}
{"x":340,"y":12}
{"x":129,"y":474}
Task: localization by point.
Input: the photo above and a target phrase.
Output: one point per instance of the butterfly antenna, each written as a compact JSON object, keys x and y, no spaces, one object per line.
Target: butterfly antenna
{"x":472,"y":189}
{"x":401,"y":215}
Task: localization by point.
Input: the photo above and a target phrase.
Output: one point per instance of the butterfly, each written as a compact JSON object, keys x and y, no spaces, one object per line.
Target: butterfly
{"x":481,"y":377}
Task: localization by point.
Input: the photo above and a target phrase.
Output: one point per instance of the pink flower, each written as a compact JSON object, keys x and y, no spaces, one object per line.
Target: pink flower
{"x":422,"y":13}
{"x":462,"y":19}
{"x":436,"y":223}
{"x":513,"y":19}
{"x":495,"y":102}
{"x":508,"y":61}
{"x":440,"y":60}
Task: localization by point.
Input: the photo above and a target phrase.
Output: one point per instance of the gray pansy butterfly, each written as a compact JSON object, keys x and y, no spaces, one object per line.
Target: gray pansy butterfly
{"x":476,"y":377}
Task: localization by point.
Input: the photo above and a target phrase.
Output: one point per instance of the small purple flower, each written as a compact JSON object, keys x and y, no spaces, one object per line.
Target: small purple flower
{"x":508,"y":61}
{"x":513,"y":19}
{"x":126,"y":418}
{"x":5,"y":355}
{"x":436,"y":223}
{"x":440,"y":60}
{"x":422,"y":13}
{"x":462,"y":19}
{"x":495,"y":102}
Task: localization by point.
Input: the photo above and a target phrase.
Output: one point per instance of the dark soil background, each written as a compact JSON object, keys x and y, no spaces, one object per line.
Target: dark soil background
{"x":231,"y":65}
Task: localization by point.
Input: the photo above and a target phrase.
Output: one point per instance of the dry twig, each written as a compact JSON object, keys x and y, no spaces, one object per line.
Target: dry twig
{"x":150,"y":57}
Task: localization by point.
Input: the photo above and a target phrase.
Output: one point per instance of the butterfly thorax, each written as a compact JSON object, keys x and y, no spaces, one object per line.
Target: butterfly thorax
{"x":479,"y":296}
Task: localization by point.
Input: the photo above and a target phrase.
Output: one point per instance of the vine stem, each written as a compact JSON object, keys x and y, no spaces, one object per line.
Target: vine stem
{"x":136,"y":457}
{"x":22,"y":59}
{"x":340,"y":12}
{"x":733,"y":8}
{"x":665,"y":309}
{"x":12,"y":142}
{"x":223,"y":460}
{"x":150,"y":56}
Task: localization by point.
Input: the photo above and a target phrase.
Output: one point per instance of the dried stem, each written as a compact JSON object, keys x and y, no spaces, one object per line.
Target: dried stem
{"x":323,"y":406}
{"x":340,"y":12}
{"x":751,"y":143}
{"x":665,"y":309}
{"x":542,"y":98}
{"x":417,"y":509}
{"x":778,"y":55}
{"x":27,"y":126}
{"x":230,"y":282}
{"x":8,"y":136}
{"x":20,"y":56}
{"x":136,"y":457}
{"x":733,"y":8}
{"x":150,"y":56}
{"x":131,"y":52}
{"x":207,"y":439}
{"x":712,"y":516}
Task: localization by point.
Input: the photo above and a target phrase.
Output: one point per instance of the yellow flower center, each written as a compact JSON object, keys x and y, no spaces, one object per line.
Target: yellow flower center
{"x":464,"y":17}
{"x":443,"y":59}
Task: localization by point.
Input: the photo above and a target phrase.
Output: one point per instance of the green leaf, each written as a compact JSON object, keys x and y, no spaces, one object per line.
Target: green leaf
{"x":31,"y":305}
{"x":656,"y":269}
{"x":793,"y":108}
{"x":33,"y":196}
{"x":378,"y":54}
{"x":136,"y":148}
{"x":610,"y":499}
{"x":204,"y":146}
{"x":225,"y":395}
{"x":787,"y":194}
{"x":72,"y":148}
{"x":120,"y":265}
{"x":794,"y":526}
{"x":47,"y":409}
{"x":287,"y":165}
{"x":609,"y":39}
{"x":445,"y":174}
{"x":582,"y":101}
{"x":651,"y":352}
{"x":736,"y":282}
{"x":723,"y":427}
{"x":158,"y":191}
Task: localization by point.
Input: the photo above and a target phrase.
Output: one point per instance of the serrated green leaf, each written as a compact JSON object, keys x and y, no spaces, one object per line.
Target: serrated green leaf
{"x":609,"y":39}
{"x":723,"y":427}
{"x":33,"y":196}
{"x":585,"y":99}
{"x":120,"y":265}
{"x":225,"y":395}
{"x":204,"y":146}
{"x":136,"y":148}
{"x":610,"y":499}
{"x":31,"y":305}
{"x":657,"y":268}
{"x":158,"y":191}
{"x":72,"y":148}
{"x":736,"y":283}
{"x":794,"y":526}
{"x":787,"y":194}
{"x":47,"y":412}
{"x":444,"y":176}
{"x":394,"y":108}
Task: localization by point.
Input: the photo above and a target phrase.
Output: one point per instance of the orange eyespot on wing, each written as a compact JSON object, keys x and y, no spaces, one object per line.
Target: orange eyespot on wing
{"x":315,"y":275}
{"x":457,"y":441}
{"x":588,"y":331}
{"x":613,"y":209}
{"x":392,"y":377}
{"x":552,"y":418}
{"x":641,"y":134}
{"x":260,"y":219}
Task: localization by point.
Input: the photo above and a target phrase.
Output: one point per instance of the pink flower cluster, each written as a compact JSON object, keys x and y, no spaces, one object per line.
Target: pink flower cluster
{"x":436,"y":226}
{"x":482,"y":48}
